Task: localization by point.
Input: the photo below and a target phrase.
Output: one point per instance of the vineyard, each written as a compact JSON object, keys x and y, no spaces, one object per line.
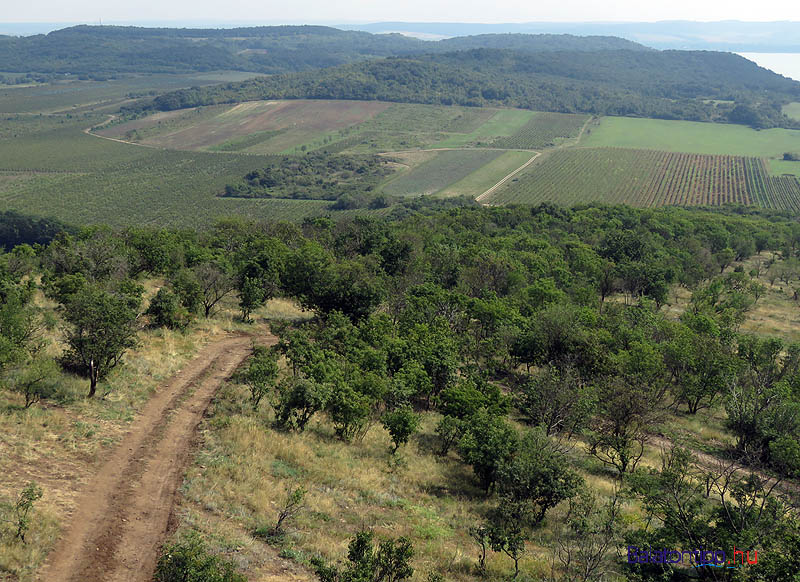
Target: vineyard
{"x":649,"y":178}
{"x":543,"y":130}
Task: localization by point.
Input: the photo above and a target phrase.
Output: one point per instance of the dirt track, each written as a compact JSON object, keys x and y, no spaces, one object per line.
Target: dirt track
{"x":124,"y":514}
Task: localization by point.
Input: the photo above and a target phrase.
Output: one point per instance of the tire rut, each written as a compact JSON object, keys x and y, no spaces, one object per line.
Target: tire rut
{"x":124,"y":514}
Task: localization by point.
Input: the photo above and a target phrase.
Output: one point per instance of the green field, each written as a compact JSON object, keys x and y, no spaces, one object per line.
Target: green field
{"x":648,"y":178}
{"x":792,"y":110}
{"x":691,"y":137}
{"x":479,"y":181}
{"x":503,"y":123}
{"x":780,"y":167}
{"x":446,"y":168}
{"x":542,"y":131}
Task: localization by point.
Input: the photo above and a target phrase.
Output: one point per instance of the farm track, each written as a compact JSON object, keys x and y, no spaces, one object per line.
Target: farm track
{"x":507,"y":178}
{"x":126,"y":512}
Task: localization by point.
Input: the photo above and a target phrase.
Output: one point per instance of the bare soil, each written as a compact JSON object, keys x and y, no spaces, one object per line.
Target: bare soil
{"x":125,"y":513}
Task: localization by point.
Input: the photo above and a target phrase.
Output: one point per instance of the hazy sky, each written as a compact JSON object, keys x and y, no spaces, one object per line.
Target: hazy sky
{"x":343,"y":11}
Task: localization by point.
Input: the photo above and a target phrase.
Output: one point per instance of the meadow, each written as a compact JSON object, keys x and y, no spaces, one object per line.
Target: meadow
{"x":691,"y":137}
{"x":792,"y":110}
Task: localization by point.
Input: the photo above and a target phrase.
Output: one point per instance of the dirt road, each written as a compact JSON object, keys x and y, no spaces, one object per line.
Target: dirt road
{"x":124,"y":514}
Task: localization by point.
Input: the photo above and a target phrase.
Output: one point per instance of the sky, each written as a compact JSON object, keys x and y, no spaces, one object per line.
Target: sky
{"x":361,"y":11}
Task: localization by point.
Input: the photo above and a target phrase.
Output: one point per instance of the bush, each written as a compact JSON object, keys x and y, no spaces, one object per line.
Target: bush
{"x":189,"y":561}
{"x":166,"y":310}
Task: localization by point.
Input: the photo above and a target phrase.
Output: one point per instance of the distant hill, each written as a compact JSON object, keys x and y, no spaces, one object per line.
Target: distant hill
{"x":692,"y":85}
{"x":104,"y":50}
{"x":726,"y":35}
{"x":538,"y":43}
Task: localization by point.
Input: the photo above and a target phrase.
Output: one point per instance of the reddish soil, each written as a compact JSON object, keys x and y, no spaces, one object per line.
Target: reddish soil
{"x":126,"y":512}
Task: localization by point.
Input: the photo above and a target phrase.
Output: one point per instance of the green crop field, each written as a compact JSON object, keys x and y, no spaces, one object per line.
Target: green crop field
{"x":446,"y":168}
{"x":486,"y":176}
{"x":648,"y":178}
{"x":792,"y":110}
{"x":503,"y":123}
{"x":691,"y":137}
{"x":543,"y":130}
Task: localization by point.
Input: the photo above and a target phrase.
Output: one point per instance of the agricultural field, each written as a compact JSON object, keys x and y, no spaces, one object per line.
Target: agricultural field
{"x":648,"y":178}
{"x":435,"y":175}
{"x":690,"y":137}
{"x":543,"y":130}
{"x":75,"y":96}
{"x":503,"y":123}
{"x":781,"y":168}
{"x":479,"y":181}
{"x":290,"y":123}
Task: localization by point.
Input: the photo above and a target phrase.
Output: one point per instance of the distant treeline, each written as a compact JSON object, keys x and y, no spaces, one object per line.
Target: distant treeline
{"x":689,"y":85}
{"x":108,"y":50}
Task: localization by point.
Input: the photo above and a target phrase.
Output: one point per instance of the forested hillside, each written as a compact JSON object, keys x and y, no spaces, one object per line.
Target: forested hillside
{"x":105,"y":50}
{"x":699,"y":86}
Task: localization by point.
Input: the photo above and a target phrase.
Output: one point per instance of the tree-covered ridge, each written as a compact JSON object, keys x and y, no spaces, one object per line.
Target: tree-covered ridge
{"x":691,"y":85}
{"x":314,"y":177}
{"x":94,"y":50}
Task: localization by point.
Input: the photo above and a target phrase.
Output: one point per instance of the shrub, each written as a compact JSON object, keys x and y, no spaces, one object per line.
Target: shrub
{"x":190,"y":561}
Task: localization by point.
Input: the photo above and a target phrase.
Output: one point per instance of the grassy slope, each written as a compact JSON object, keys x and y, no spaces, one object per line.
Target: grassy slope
{"x":779,"y":167}
{"x":692,"y":137}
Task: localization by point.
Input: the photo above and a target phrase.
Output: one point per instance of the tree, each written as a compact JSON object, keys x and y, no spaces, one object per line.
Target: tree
{"x":36,"y":380}
{"x":20,"y":511}
{"x":215,"y":283}
{"x":488,"y":442}
{"x":557,"y":400}
{"x":298,"y":400}
{"x":166,"y":311}
{"x":260,"y":374}
{"x":292,"y":505}
{"x":537,"y":476}
{"x":102,"y":327}
{"x":401,"y":423}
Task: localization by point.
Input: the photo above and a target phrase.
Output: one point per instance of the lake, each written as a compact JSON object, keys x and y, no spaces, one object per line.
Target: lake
{"x":786,"y":64}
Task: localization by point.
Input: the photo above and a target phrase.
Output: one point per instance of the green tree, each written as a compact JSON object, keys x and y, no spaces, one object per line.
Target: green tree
{"x":487,"y":444}
{"x":260,"y":374}
{"x":102,"y":326}
{"x":188,"y":560}
{"x":401,"y":423}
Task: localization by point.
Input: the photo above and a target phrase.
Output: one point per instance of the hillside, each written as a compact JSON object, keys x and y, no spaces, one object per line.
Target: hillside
{"x":103,"y":50}
{"x":691,"y":85}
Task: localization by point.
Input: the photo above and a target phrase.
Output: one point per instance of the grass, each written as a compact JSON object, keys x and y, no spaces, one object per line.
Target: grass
{"x":692,"y":137}
{"x":780,"y":167}
{"x":503,"y":123}
{"x":446,"y":168}
{"x":243,"y":470}
{"x":792,"y":110}
{"x":486,"y":176}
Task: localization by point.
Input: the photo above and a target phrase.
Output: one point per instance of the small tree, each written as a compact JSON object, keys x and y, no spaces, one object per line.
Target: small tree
{"x":215,"y":283}
{"x":260,"y":374}
{"x":401,"y":423}
{"x":293,"y":505}
{"x":36,"y":381}
{"x":20,"y":511}
{"x":488,"y":442}
{"x":388,"y":563}
{"x":102,"y":327}
{"x":166,"y":310}
{"x":480,"y":534}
